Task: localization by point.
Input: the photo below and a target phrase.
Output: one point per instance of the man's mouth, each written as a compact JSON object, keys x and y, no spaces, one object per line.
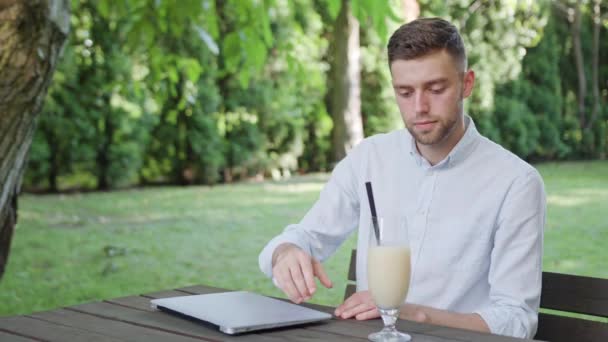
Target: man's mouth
{"x":425,"y":125}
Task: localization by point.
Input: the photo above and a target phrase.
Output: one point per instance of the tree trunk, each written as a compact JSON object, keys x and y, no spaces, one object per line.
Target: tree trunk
{"x":32,"y":34}
{"x":102,"y":159}
{"x":345,"y":84}
{"x":595,"y":63}
{"x":179,"y":140}
{"x":223,"y":82}
{"x":580,"y":63}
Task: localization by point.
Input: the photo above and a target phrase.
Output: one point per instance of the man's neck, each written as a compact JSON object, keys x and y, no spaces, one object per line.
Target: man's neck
{"x":437,"y":152}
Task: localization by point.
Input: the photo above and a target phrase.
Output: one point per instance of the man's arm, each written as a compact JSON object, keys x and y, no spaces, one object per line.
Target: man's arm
{"x":515,"y":273}
{"x":361,"y":306}
{"x":293,"y":257}
{"x":425,"y":314}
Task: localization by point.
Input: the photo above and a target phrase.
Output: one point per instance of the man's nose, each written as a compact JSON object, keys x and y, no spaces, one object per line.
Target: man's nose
{"x":421,"y":103}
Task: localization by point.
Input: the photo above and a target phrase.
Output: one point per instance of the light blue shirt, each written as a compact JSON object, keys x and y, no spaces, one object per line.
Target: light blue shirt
{"x":475,"y":224}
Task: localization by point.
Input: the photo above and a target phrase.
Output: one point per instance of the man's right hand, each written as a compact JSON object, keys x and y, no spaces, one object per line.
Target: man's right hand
{"x":294,"y":271}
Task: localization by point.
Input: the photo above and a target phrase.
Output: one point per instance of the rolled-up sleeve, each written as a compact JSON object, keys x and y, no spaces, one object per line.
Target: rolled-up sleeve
{"x":328,"y":223}
{"x":515,"y":274}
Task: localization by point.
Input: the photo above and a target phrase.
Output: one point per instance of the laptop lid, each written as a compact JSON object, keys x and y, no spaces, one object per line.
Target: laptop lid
{"x":240,"y":311}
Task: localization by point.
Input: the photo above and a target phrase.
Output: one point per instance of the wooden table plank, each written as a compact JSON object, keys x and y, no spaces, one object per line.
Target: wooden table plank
{"x":157,"y":320}
{"x":132,"y":318}
{"x":350,"y":327}
{"x":304,"y":334}
{"x":6,"y":336}
{"x":109,"y":327}
{"x":363,"y":328}
{"x":46,"y":331}
{"x":292,"y":333}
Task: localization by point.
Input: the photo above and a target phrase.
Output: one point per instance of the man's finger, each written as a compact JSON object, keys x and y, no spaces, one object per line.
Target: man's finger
{"x":348,"y":304}
{"x":370,"y":314}
{"x":298,"y":281}
{"x":309,"y":276}
{"x":288,"y":287}
{"x":355,"y":310}
{"x":320,"y":273}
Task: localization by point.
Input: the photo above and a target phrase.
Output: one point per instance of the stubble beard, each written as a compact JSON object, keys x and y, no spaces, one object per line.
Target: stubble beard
{"x":441,"y":132}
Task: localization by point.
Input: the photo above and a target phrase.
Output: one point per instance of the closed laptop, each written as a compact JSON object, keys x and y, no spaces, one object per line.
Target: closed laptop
{"x":240,"y":311}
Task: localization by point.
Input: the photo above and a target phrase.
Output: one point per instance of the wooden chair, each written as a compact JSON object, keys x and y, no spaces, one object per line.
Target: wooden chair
{"x":573,"y":294}
{"x":569,"y":294}
{"x":351,"y":286}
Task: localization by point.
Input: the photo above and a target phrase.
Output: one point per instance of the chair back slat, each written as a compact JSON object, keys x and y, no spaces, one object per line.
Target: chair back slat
{"x":350,"y":290}
{"x":351,"y":286}
{"x":578,"y":294}
{"x":556,"y":328}
{"x":352,"y":268}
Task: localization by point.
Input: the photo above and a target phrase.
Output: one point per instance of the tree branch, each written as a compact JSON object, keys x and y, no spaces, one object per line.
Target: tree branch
{"x":566,"y":10}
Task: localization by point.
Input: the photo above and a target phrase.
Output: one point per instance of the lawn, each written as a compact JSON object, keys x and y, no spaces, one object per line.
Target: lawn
{"x":69,"y":249}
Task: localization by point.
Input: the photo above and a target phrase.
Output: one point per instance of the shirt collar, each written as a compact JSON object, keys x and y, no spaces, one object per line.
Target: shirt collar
{"x":463,"y":148}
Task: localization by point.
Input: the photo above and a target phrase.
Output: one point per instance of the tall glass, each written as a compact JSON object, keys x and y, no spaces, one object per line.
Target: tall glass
{"x":388,"y":273}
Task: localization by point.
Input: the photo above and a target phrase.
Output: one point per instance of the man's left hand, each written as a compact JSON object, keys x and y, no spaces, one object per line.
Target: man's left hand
{"x":360,"y":306}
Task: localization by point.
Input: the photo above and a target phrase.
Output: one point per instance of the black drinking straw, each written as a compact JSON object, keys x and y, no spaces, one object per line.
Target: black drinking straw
{"x":372,"y":207}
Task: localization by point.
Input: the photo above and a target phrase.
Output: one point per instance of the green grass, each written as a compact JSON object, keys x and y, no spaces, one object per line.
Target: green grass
{"x":69,"y":249}
{"x":576,"y":233}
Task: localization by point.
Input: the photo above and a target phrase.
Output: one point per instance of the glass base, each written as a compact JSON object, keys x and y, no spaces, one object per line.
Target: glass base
{"x":389,"y":335}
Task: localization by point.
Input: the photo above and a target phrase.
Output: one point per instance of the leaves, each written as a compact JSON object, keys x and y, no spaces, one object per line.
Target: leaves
{"x":148,"y":87}
{"x":333,"y":8}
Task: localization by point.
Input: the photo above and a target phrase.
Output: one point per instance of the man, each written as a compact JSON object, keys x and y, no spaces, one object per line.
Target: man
{"x":475,"y":211}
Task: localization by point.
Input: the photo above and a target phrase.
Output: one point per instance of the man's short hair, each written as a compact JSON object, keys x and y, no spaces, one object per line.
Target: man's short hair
{"x":424,"y":36}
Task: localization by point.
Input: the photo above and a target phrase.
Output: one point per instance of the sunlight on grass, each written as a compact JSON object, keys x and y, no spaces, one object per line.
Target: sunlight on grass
{"x":567,"y":201}
{"x":69,"y":249}
{"x":293,"y":188}
{"x":577,"y":197}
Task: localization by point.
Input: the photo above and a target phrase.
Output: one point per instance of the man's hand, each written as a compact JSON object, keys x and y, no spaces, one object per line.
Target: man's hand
{"x":294,"y":271}
{"x":413,"y":312}
{"x":360,"y":306}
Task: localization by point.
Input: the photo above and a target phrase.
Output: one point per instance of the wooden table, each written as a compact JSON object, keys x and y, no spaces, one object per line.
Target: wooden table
{"x":132,"y":319}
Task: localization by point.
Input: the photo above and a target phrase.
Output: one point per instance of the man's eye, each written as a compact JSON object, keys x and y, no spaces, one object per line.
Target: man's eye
{"x":437,"y":90}
{"x":405,"y":94}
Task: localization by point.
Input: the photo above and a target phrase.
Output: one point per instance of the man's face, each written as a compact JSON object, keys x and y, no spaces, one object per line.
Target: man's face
{"x":429,"y":92}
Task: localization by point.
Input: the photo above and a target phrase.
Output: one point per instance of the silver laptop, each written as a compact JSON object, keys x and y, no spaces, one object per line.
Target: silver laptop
{"x":240,"y":311}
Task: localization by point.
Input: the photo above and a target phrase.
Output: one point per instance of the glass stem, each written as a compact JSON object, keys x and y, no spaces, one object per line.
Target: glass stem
{"x":389,"y":317}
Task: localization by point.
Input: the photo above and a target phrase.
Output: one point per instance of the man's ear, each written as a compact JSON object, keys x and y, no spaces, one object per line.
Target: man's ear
{"x":468,"y":83}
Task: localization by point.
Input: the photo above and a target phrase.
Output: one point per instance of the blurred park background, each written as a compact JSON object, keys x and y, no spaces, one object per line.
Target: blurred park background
{"x":178,"y":137}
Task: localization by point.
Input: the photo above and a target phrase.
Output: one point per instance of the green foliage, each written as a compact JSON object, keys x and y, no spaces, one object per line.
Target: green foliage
{"x":57,"y":147}
{"x":210,"y":91}
{"x":378,"y":108}
{"x":207,"y":146}
{"x":517,"y":125}
{"x":317,"y":140}
{"x":541,"y":93}
{"x":243,"y":142}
